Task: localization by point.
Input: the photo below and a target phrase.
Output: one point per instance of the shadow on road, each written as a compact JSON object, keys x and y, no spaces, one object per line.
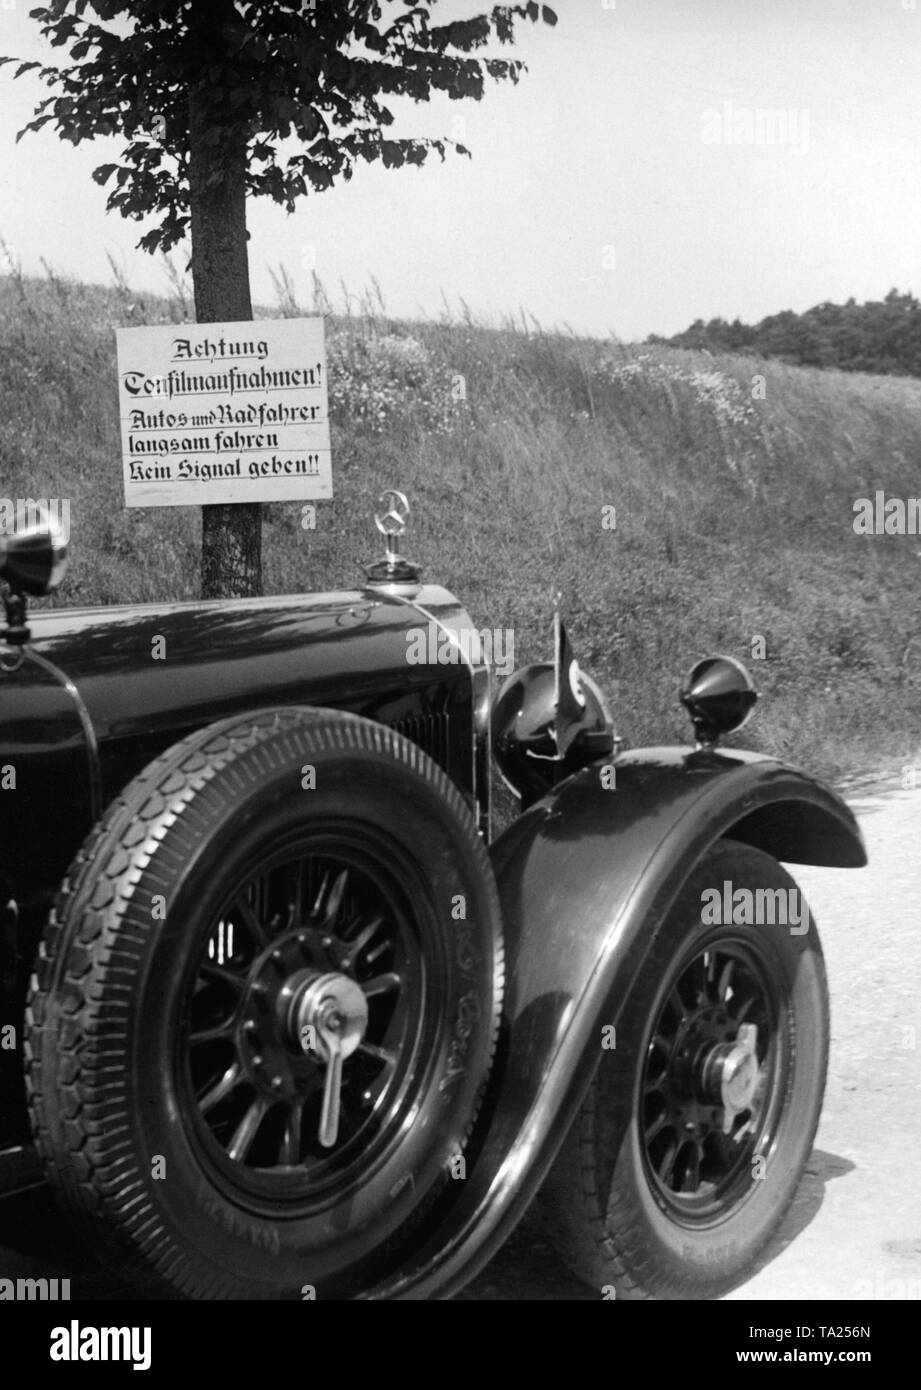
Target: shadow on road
{"x":821,"y":1169}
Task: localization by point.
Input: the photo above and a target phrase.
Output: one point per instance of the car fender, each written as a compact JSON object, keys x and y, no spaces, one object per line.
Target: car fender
{"x":586,"y":877}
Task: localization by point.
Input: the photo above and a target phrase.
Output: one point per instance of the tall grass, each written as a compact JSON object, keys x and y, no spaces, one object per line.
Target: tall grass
{"x":733,"y":482}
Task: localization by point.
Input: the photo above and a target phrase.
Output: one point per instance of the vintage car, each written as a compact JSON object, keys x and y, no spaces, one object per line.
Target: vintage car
{"x":283,"y":1019}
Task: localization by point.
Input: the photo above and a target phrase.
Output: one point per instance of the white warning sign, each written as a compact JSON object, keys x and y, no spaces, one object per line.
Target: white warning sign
{"x":224,"y":412}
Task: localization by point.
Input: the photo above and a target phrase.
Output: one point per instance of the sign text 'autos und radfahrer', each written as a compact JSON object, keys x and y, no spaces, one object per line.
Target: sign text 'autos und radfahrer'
{"x":224,"y":412}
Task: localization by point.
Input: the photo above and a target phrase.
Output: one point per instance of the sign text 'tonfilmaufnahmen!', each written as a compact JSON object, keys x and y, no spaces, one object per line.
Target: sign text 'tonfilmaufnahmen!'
{"x":224,"y":412}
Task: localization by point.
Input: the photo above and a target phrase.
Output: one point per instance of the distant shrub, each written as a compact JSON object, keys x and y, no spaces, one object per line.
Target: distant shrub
{"x":879,"y":336}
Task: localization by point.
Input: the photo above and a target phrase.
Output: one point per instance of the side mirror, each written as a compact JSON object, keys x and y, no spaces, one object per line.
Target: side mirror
{"x":35,"y":560}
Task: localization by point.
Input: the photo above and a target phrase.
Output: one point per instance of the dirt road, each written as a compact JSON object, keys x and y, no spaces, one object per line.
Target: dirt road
{"x":854,"y":1231}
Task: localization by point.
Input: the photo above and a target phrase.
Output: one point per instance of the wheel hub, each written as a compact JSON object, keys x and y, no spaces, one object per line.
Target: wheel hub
{"x":325,"y":1015}
{"x":728,"y":1074}
{"x":317,"y":1008}
{"x":269,"y":1042}
{"x":299,"y":1018}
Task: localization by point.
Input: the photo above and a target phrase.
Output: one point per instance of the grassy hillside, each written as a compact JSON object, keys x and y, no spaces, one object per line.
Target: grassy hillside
{"x":733,"y":512}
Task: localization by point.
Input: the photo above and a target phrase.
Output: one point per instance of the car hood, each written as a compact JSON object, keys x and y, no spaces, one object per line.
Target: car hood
{"x":130,"y":663}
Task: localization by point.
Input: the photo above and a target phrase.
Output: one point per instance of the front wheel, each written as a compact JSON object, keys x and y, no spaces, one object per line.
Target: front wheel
{"x":698,"y":1124}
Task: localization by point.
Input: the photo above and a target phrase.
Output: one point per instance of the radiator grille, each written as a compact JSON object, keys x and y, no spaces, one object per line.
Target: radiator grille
{"x":432,"y":733}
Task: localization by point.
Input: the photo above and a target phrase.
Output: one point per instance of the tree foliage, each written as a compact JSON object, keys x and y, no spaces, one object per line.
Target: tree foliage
{"x":325,"y":72}
{"x":879,"y":336}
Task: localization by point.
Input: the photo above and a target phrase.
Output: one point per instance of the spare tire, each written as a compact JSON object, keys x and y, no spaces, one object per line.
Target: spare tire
{"x":265,"y":1008}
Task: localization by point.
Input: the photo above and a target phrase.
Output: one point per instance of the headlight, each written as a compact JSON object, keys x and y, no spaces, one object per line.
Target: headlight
{"x":34,"y":560}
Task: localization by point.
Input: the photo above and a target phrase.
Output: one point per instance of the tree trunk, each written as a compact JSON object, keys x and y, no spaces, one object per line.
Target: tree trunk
{"x":231,"y":540}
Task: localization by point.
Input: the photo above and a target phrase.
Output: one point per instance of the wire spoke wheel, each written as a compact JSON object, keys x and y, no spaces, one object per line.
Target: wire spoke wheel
{"x":708,"y":1102}
{"x":697,"y":1127}
{"x":324,"y":930}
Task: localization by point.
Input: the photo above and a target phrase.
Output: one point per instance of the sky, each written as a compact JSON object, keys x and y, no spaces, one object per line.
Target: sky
{"x":661,"y":161}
